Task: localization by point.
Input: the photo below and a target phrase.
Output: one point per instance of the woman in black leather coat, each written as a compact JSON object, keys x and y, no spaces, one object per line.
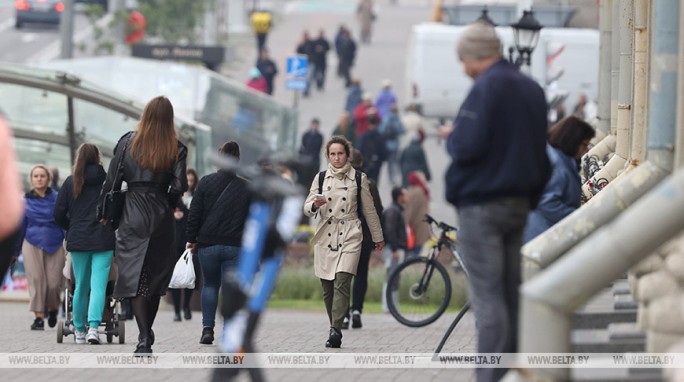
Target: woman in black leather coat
{"x":154,"y":170}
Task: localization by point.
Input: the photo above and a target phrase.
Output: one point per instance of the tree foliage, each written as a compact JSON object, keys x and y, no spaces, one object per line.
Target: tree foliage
{"x":173,"y":21}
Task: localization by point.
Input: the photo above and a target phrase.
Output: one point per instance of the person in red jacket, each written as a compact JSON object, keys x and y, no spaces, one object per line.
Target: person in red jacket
{"x":361,"y":114}
{"x":257,"y":81}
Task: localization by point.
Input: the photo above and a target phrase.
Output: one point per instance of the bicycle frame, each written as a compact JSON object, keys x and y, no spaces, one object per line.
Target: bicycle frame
{"x":445,"y":241}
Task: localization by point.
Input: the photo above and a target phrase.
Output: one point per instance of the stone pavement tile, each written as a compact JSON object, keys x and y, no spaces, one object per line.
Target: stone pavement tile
{"x":279,"y":331}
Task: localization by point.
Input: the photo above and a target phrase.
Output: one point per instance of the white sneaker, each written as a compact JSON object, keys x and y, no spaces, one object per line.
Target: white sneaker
{"x":93,"y":336}
{"x":80,"y":337}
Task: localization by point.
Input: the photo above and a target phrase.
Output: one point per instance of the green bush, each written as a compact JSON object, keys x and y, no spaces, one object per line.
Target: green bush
{"x":299,"y":283}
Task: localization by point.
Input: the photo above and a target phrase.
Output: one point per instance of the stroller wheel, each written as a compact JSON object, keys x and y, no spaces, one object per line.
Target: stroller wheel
{"x":60,"y":331}
{"x":121,"y":329}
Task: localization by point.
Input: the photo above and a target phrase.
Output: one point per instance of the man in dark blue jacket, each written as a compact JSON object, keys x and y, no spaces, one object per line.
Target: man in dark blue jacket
{"x":498,"y":172}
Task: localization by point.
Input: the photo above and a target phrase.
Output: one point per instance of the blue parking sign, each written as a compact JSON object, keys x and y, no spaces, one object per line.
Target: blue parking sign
{"x":297,"y":67}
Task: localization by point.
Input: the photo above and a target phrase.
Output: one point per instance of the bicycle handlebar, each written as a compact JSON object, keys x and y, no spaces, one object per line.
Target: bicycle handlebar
{"x":443,"y":226}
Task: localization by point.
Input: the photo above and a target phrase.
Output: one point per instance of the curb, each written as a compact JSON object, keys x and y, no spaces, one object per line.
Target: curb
{"x":15,"y":296}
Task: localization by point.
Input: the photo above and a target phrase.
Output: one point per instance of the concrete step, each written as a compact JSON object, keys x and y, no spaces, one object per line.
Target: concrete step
{"x":617,"y":375}
{"x":600,"y":319}
{"x":599,"y":341}
{"x":621,"y":287}
{"x":625,"y":331}
{"x":604,"y":309}
{"x":624,"y":301}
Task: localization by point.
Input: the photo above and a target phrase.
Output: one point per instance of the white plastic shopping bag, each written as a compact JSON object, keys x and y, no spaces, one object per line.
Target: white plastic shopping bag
{"x":184,"y":272}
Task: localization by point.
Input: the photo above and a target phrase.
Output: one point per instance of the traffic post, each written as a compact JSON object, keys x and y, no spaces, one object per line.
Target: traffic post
{"x":297,"y":70}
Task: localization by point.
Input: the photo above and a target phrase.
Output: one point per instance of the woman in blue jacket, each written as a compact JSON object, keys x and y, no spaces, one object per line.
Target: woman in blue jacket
{"x":91,"y":244}
{"x":568,"y":141}
{"x":41,"y":247}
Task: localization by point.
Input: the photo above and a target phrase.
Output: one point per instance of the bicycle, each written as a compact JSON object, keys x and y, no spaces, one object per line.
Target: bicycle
{"x":271,"y":223}
{"x":419,"y":289}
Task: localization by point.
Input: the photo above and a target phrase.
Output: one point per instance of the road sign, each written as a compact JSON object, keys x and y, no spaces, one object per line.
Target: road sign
{"x":295,"y":84}
{"x":297,"y":75}
{"x":297,"y":66}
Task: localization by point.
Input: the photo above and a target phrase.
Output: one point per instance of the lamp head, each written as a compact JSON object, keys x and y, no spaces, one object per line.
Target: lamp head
{"x":526,"y":32}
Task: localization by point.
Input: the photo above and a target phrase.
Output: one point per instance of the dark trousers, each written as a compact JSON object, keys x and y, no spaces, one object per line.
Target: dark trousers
{"x":344,"y":71}
{"x":269,"y":85}
{"x":214,"y":261}
{"x":261,"y":42}
{"x":361,"y":278}
{"x":336,"y":297}
{"x":319,"y":75}
{"x":490,"y":238}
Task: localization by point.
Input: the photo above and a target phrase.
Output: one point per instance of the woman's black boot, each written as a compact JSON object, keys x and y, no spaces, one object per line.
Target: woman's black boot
{"x":335,"y":338}
{"x":141,"y":312}
{"x":144,"y":348}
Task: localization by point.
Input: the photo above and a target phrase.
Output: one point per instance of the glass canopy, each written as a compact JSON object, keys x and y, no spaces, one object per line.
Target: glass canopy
{"x":210,"y":109}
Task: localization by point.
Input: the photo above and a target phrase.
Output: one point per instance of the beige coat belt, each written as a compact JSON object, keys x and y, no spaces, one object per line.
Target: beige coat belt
{"x":337,"y":221}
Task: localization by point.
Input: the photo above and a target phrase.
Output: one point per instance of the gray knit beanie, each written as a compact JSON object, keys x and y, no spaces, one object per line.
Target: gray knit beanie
{"x":479,"y":41}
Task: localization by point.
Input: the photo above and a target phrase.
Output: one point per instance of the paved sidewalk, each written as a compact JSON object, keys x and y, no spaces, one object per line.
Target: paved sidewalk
{"x":285,"y":331}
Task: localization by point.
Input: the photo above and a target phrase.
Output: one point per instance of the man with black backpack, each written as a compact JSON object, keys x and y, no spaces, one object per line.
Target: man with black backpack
{"x":392,"y":130}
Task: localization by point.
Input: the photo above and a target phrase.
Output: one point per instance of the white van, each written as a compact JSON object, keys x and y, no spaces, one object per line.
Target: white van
{"x":436,"y":82}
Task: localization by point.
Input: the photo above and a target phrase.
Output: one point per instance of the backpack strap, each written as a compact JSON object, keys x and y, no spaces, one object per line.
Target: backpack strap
{"x":321,"y":177}
{"x":358,"y":195}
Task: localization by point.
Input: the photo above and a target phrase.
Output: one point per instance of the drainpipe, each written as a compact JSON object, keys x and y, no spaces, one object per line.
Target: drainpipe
{"x":601,"y":209}
{"x":606,"y":27}
{"x":641,"y":46}
{"x":618,"y":196}
{"x":664,"y":84}
{"x":622,"y":109}
{"x":549,"y":300}
{"x":679,"y":148}
{"x":606,"y":140}
{"x":614,"y":65}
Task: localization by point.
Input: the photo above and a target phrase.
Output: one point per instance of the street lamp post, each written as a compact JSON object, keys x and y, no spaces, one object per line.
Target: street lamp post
{"x":484,"y":17}
{"x":526,"y":36}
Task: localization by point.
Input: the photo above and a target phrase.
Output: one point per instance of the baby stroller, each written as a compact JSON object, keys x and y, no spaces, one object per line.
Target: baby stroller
{"x":111,"y":317}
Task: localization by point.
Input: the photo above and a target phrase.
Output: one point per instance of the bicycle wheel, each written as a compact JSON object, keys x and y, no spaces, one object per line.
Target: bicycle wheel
{"x":418,"y":292}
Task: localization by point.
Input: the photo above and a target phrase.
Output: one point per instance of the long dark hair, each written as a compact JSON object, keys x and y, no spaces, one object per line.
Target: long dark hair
{"x":568,"y":134}
{"x":194,"y":186}
{"x":154,"y":145}
{"x":87,"y":154}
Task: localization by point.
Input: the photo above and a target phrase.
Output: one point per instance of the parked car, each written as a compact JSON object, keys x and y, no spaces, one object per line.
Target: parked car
{"x":37,"y":11}
{"x":103,"y":3}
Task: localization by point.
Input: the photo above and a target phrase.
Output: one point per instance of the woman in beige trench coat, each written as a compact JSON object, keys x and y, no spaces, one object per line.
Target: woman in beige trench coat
{"x":337,"y":242}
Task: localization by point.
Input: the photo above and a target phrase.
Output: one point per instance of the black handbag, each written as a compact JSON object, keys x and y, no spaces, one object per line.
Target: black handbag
{"x":114,"y":200}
